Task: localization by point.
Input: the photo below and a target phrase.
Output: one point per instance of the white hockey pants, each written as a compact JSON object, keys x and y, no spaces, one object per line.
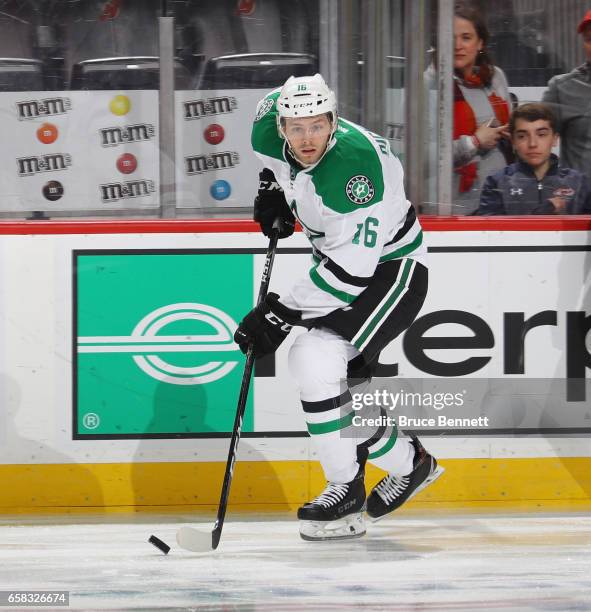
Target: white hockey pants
{"x":318,"y":362}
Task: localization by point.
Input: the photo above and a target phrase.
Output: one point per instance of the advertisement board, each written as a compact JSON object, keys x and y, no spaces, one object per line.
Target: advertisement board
{"x":119,"y":378}
{"x":216,"y":167}
{"x":157,"y":358}
{"x":150,"y":362}
{"x":79,"y":150}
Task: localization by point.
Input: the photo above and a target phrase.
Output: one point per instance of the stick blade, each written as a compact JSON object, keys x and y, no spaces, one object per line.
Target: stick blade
{"x":195,"y":540}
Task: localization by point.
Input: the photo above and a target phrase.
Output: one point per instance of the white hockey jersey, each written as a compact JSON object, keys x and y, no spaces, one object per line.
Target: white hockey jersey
{"x":351,"y":206}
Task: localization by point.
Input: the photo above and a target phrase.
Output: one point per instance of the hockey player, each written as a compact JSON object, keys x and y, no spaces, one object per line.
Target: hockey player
{"x":366,"y":284}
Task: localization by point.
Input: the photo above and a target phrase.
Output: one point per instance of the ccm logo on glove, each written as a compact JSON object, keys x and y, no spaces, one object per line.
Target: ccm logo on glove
{"x":266,"y":326}
{"x":269,"y":186}
{"x":275,"y":320}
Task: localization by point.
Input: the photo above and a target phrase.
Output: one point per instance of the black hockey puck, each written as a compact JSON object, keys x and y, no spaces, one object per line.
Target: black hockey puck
{"x":158,"y":543}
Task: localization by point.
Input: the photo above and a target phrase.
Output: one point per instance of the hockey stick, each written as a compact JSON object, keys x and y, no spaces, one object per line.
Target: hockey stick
{"x":194,"y":539}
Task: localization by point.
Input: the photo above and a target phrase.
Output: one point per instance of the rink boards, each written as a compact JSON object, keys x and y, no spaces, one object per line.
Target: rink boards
{"x":119,"y":375}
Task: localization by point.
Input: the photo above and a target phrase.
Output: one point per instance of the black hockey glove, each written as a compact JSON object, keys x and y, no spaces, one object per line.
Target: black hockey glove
{"x":266,"y":326}
{"x":271,"y":204}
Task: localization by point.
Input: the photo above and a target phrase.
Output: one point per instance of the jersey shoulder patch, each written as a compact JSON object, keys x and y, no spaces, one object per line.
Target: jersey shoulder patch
{"x":264,"y":136}
{"x":350,"y":176}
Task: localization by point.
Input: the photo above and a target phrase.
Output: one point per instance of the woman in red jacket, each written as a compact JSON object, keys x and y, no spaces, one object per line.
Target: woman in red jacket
{"x":481,"y":110}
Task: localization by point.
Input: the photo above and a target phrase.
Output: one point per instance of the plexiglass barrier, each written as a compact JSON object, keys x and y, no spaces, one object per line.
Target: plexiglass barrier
{"x":81,"y":95}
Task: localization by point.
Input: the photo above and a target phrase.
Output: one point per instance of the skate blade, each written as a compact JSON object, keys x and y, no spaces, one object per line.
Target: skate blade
{"x":429,"y":480}
{"x":347,"y":528}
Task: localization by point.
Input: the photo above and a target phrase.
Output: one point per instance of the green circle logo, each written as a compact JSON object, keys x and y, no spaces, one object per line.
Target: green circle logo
{"x":360,"y":189}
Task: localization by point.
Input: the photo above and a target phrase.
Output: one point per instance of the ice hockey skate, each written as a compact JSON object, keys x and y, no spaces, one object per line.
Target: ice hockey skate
{"x":337,"y":513}
{"x":392,"y":491}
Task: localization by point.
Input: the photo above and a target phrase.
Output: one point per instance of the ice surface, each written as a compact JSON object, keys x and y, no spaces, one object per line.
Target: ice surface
{"x":417,"y":563}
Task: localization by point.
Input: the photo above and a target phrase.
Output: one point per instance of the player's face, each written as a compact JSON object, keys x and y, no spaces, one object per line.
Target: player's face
{"x":467,"y":44}
{"x":586,"y":34}
{"x":308,"y":137}
{"x":533,"y":141}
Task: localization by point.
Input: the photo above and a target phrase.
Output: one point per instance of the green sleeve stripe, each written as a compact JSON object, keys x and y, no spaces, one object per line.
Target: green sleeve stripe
{"x":322,"y":284}
{"x":405,"y":250}
{"x":331,"y":426}
{"x":388,"y":446}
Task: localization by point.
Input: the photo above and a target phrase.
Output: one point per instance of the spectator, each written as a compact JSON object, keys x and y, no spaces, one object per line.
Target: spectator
{"x":536,"y":184}
{"x":481,"y":109}
{"x":570,"y":95}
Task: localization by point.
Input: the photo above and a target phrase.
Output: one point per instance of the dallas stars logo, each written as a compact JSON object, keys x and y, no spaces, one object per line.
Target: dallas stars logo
{"x":360,"y":189}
